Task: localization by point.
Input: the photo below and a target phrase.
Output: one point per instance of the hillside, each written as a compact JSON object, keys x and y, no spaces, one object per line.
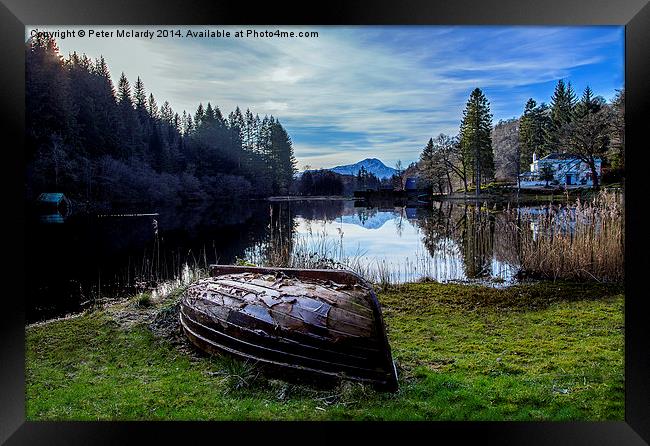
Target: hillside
{"x":372,"y":165}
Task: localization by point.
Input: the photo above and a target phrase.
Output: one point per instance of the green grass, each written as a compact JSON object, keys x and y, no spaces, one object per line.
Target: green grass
{"x":531,"y":352}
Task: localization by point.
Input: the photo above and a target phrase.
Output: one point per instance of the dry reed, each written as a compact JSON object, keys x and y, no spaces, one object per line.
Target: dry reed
{"x":583,"y":242}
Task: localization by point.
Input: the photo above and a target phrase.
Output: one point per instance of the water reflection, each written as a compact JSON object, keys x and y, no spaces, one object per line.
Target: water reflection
{"x":87,"y":258}
{"x":445,"y":242}
{"x":56,"y":218}
{"x":94,"y":257}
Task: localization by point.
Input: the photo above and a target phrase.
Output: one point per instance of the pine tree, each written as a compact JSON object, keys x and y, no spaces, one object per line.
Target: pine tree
{"x":166,"y":113}
{"x":218,"y":117}
{"x":237,"y":124}
{"x":86,"y":135}
{"x":475,"y":138}
{"x":427,"y":163}
{"x":176,"y":123}
{"x":140,"y":99}
{"x":130,"y":129}
{"x":236,"y":121}
{"x":528,"y":143}
{"x":571,"y":95}
{"x":152,"y":107}
{"x":250,"y":139}
{"x":560,"y":107}
{"x":105,"y":107}
{"x":362,"y":178}
{"x":188,"y":124}
{"x":139,"y":95}
{"x":86,"y":63}
{"x":51,"y":117}
{"x":101,"y":70}
{"x":50,"y":110}
{"x":199,"y":116}
{"x":587,"y":136}
{"x":257,"y":136}
{"x":533,"y":128}
{"x":209,"y":115}
{"x":94,"y":141}
{"x":563,"y":103}
{"x":616,"y":154}
{"x":283,"y":161}
{"x":124,"y":92}
{"x":588,"y":103}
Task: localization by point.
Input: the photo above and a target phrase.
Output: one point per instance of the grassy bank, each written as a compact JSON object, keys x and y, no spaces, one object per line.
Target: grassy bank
{"x":548,"y":351}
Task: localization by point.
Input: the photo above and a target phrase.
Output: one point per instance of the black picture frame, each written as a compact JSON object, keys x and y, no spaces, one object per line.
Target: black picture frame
{"x":634,"y":14}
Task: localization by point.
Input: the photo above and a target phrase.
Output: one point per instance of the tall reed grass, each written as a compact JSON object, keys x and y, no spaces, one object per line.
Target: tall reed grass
{"x":320,"y":250}
{"x":155,"y":274}
{"x":584,"y":241}
{"x":575,"y":241}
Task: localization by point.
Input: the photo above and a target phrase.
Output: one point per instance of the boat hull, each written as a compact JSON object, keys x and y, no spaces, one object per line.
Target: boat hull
{"x":316,"y":325}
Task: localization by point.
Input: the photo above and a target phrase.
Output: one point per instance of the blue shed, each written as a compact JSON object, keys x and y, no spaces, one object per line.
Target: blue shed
{"x":411,"y":184}
{"x":54,"y":201}
{"x":411,"y":213}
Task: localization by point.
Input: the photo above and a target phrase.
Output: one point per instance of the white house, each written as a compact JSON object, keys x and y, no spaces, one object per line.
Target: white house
{"x":568,"y":170}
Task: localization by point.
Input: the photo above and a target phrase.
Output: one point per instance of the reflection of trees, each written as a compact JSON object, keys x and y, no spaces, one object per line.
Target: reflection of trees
{"x":89,"y":257}
{"x":363,"y":214}
{"x":435,"y":226}
{"x":318,"y":210}
{"x":277,"y":247}
{"x":477,"y":238}
{"x":448,"y":231}
{"x":479,"y":235}
{"x":399,"y":222}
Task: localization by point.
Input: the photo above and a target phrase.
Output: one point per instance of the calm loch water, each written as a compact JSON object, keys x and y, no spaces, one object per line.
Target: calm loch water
{"x":82,"y":258}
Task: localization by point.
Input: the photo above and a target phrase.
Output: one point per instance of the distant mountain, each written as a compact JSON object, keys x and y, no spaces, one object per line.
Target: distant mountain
{"x":375,"y":221}
{"x":372,"y":165}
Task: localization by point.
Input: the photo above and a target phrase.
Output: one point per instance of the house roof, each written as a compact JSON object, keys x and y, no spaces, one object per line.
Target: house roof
{"x":560,"y":156}
{"x":52,"y":197}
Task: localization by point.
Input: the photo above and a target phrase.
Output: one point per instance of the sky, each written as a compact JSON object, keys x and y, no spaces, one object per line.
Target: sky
{"x":361,"y":92}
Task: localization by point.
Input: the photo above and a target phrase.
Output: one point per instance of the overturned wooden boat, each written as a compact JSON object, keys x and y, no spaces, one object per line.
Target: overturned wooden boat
{"x":314,"y":324}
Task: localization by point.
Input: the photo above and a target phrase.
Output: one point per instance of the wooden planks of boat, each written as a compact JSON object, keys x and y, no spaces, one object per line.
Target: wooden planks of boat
{"x":315,"y":324}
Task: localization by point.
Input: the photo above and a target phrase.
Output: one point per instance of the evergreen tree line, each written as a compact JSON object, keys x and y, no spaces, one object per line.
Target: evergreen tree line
{"x":101,"y":144}
{"x":366,"y":180}
{"x":320,"y":182}
{"x":587,"y":128}
{"x":326,"y":182}
{"x":466,"y":159}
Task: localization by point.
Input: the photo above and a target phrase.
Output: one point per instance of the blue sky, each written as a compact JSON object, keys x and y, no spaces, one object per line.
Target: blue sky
{"x":359,"y":92}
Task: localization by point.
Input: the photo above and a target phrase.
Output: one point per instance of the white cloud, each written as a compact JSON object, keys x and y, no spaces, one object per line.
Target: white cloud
{"x":383,"y":90}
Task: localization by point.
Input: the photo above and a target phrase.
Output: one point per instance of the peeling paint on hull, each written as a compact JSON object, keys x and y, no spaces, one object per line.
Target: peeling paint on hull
{"x":318,"y":324}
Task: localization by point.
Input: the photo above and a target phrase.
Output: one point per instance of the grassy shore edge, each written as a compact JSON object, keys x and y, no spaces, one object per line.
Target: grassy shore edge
{"x":545,"y":351}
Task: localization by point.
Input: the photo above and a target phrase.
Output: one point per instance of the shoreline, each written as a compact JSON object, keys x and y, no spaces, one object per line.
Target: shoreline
{"x":377,"y":287}
{"x":457,"y":348}
{"x":311,"y":198}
